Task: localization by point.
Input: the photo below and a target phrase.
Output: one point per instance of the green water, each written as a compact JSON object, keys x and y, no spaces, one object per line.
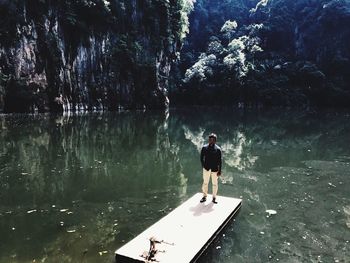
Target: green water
{"x":76,"y":188}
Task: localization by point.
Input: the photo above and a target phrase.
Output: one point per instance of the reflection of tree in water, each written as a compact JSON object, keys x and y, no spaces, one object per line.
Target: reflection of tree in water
{"x":237,"y":151}
{"x":234,"y":155}
{"x":196,"y":137}
{"x":232,"y":139}
{"x":82,"y":163}
{"x":262,"y":140}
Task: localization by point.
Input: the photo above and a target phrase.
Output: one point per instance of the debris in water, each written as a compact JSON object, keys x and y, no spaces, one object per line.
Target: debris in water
{"x":218,"y":247}
{"x":271,"y":212}
{"x":263,"y":233}
{"x":103,"y":252}
{"x":63,"y":210}
{"x":330,"y":184}
{"x":31,"y":211}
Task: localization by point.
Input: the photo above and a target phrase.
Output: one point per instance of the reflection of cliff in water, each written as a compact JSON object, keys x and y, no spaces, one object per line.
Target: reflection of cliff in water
{"x":66,"y":158}
{"x":67,"y":177}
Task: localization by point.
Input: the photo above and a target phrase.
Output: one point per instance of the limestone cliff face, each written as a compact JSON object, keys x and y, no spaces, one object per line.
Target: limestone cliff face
{"x":87,"y":55}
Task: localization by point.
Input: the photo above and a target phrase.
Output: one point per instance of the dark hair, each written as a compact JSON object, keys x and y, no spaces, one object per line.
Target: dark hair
{"x":213,"y":135}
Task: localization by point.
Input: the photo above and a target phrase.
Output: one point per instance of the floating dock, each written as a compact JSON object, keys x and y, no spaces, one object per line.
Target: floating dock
{"x":182,"y":235}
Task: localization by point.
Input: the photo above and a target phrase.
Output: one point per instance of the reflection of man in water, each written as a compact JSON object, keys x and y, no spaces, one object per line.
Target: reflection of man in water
{"x":211,"y":163}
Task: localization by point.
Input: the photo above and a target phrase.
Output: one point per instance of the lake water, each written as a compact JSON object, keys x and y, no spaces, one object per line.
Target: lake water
{"x":76,"y":188}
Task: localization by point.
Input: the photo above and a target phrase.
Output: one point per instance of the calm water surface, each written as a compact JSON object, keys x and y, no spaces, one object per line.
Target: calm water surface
{"x":75,"y":188}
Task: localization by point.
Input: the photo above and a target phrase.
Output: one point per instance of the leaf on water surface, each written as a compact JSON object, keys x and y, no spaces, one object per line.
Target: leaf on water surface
{"x":271,"y":212}
{"x":330,"y":184}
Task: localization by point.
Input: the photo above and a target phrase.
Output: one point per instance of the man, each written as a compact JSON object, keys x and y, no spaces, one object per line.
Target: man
{"x":211,"y":163}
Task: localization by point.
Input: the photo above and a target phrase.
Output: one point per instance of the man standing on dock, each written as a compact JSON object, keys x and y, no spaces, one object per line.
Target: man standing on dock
{"x":211,"y":163}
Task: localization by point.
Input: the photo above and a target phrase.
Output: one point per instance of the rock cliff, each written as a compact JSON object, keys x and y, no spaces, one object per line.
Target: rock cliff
{"x":87,"y":54}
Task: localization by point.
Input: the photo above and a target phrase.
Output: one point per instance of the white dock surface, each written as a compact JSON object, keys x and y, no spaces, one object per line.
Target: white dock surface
{"x":191,"y":227}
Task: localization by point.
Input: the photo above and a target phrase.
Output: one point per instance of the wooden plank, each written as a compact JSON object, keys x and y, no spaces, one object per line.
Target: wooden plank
{"x":184,"y":233}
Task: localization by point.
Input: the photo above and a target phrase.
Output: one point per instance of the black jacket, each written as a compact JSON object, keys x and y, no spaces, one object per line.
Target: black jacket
{"x":211,"y":158}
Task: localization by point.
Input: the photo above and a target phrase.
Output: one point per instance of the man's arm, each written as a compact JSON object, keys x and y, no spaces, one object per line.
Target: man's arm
{"x":202,"y":156}
{"x":220,"y":162}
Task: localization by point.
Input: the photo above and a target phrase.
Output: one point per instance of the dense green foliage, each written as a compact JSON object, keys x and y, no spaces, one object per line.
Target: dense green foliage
{"x":280,"y":52}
